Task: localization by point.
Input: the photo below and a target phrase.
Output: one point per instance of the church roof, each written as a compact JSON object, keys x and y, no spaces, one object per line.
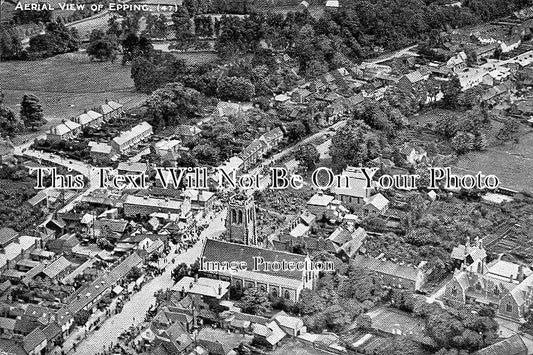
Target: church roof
{"x":215,"y":250}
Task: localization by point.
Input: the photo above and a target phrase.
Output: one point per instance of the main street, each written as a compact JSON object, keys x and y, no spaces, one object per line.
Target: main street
{"x":135,"y":309}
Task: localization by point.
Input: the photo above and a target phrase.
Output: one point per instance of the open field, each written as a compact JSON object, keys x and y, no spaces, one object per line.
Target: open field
{"x":511,"y":162}
{"x":86,"y":26}
{"x":68,"y":84}
{"x":394,"y":321}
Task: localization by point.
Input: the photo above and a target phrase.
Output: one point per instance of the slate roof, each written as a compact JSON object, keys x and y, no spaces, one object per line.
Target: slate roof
{"x":129,"y":167}
{"x":214,"y":347}
{"x":114,"y":105}
{"x":51,"y":331}
{"x":136,"y":131}
{"x":215,"y":250}
{"x":273,"y":134}
{"x":510,"y":346}
{"x":33,"y":340}
{"x":254,"y":147}
{"x":415,"y":77}
{"x":7,"y":323}
{"x":476,"y":253}
{"x":93,"y":114}
{"x":56,"y":267}
{"x":340,"y":236}
{"x":7,"y":235}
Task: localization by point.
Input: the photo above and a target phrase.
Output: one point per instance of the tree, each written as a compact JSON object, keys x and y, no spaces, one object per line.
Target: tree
{"x":179,"y":272}
{"x":182,"y":25}
{"x":102,"y":47}
{"x":235,"y":88}
{"x":308,"y":156}
{"x":81,"y":317}
{"x":206,"y":154}
{"x":134,"y":47}
{"x":10,"y":125}
{"x":296,"y":131}
{"x":257,"y":302}
{"x":463,"y":142}
{"x":57,"y":39}
{"x":364,"y":322}
{"x":349,"y":146}
{"x":172,"y":105}
{"x":31,"y":111}
{"x":451,"y":92}
{"x":480,"y":141}
{"x":10,"y":45}
{"x":310,"y":302}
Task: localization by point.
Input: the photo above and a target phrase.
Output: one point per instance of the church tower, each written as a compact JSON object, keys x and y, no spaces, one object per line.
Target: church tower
{"x":240,"y":221}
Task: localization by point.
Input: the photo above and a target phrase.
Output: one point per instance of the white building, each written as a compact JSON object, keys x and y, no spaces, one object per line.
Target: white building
{"x":128,"y":139}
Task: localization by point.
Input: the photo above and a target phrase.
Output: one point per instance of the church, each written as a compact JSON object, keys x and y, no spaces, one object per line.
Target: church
{"x":503,"y":285}
{"x":241,"y":247}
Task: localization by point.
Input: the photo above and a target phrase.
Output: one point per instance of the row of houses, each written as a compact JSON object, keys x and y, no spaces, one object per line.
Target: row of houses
{"x":38,"y":329}
{"x":71,"y":128}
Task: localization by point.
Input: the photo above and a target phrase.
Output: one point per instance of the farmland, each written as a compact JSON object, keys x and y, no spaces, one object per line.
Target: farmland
{"x":68,"y":84}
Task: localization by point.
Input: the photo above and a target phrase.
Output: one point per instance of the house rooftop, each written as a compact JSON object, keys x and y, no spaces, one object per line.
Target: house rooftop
{"x":56,"y":267}
{"x":320,"y":199}
{"x":203,"y":286}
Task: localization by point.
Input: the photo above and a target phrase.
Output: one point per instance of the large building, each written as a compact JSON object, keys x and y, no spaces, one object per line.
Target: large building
{"x":145,"y":205}
{"x":355,"y":195}
{"x":504,"y":285}
{"x":128,"y":139}
{"x":394,"y":275}
{"x":240,"y":220}
{"x":283,"y":283}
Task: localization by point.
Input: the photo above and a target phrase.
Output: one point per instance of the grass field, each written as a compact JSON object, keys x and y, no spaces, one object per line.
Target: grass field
{"x":511,"y":162}
{"x":68,"y":84}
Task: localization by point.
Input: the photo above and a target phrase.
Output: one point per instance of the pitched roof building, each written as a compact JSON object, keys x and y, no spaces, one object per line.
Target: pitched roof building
{"x":259,"y":271}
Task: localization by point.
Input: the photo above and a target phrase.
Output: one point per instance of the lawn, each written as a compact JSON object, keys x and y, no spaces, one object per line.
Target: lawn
{"x":394,"y":321}
{"x":68,"y":84}
{"x":511,"y":162}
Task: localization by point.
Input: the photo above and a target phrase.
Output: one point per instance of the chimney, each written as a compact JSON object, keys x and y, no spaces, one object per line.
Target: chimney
{"x":190,"y":285}
{"x":520,"y":273}
{"x":219,"y":289}
{"x":511,"y":278}
{"x":196,"y":278}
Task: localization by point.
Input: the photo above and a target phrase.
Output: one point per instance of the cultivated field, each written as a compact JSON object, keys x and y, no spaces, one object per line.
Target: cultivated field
{"x":68,"y":84}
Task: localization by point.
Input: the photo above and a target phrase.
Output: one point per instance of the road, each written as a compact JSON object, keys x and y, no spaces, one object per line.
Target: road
{"x":135,"y":309}
{"x":398,"y":54}
{"x":265,"y":181}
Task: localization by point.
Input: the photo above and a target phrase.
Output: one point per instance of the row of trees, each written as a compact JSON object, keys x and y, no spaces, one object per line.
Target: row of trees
{"x":57,"y":39}
{"x":356,"y":30}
